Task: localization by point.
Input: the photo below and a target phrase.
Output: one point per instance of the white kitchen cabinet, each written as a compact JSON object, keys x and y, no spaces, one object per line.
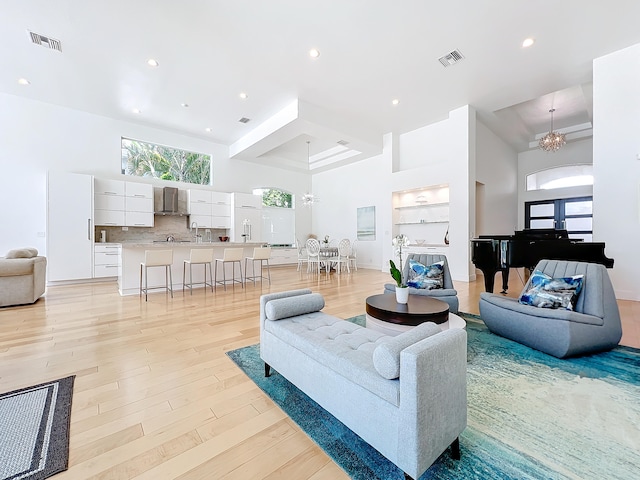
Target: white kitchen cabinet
{"x":283,"y":256}
{"x":220,"y":222}
{"x":246,"y":200}
{"x":108,"y":202}
{"x":220,"y":198}
{"x":103,"y":186}
{"x":109,"y":218}
{"x":246,"y":217}
{"x":70,"y":226}
{"x":106,"y":260}
{"x":202,"y":221}
{"x":138,"y":205}
{"x":209,"y":209}
{"x":246,"y":221}
{"x":139,"y":190}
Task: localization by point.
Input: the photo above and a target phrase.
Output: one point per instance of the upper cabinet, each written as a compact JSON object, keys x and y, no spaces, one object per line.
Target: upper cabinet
{"x":120,"y":203}
{"x":138,"y":205}
{"x":246,"y":200}
{"x":209,"y":209}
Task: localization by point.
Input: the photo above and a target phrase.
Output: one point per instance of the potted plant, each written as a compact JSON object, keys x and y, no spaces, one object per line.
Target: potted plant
{"x":402,"y":291}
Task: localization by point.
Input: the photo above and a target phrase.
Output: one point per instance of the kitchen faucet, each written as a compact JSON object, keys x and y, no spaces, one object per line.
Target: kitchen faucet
{"x":196,"y":227}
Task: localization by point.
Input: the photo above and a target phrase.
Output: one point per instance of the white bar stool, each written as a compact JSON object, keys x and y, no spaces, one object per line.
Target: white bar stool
{"x":230,"y":255}
{"x":157,"y":258}
{"x":198,"y":256}
{"x":260,"y":254}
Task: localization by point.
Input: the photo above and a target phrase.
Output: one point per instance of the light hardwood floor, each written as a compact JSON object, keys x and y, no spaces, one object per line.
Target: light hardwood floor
{"x":155,"y":395}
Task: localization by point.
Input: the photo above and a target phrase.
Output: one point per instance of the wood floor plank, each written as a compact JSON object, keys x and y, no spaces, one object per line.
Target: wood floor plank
{"x":155,"y":394}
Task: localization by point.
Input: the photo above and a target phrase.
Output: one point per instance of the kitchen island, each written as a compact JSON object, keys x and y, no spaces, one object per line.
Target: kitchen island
{"x":133,"y":255}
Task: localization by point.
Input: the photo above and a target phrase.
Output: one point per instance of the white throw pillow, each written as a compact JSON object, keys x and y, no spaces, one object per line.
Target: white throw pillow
{"x":293,"y":306}
{"x":28,"y":252}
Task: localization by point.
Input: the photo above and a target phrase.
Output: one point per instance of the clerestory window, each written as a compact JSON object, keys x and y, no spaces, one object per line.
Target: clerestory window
{"x":142,"y":159}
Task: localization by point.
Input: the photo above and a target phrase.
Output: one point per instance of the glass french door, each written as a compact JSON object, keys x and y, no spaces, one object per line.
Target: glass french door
{"x":572,"y":214}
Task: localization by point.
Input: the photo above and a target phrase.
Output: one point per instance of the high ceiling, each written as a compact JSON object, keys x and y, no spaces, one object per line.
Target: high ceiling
{"x":371,"y":52}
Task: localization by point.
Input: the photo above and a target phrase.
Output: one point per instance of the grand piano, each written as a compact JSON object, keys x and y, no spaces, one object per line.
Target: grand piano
{"x":525,"y":248}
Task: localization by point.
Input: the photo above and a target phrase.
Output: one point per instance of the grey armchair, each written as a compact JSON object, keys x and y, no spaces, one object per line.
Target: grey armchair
{"x":447,"y":294}
{"x":594,"y":326}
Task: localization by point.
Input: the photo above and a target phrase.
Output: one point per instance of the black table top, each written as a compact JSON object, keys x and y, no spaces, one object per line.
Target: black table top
{"x":417,"y":310}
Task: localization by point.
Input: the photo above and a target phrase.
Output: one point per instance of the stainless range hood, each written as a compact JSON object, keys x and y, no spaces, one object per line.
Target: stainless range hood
{"x":170,"y":202}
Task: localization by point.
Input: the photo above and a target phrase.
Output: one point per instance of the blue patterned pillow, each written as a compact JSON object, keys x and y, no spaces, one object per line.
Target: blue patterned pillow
{"x":427,"y":277}
{"x":547,"y":292}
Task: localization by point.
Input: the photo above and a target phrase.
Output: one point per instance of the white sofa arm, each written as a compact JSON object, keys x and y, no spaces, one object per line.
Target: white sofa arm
{"x":433,"y":397}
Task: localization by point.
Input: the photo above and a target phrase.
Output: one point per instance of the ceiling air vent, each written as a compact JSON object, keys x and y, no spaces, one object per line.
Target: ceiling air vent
{"x":451,"y":58}
{"x":244,"y":120}
{"x":47,"y":42}
{"x":343,"y":142}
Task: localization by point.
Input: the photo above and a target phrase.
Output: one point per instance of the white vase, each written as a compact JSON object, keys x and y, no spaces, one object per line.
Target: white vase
{"x":402,"y":295}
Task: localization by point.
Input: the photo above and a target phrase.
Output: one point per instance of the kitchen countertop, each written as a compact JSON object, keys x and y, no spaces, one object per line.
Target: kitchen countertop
{"x":189,"y":244}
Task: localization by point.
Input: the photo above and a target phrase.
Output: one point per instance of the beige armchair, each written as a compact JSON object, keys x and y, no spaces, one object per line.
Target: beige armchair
{"x":22,"y":277}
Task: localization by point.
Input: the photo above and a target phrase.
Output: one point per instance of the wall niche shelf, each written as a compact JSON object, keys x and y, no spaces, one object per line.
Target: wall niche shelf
{"x":422,"y":223}
{"x":423,"y":205}
{"x":422,"y":213}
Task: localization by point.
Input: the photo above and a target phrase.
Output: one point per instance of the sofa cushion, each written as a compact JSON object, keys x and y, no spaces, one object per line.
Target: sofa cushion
{"x":428,"y":277}
{"x":344,"y":347}
{"x":27,"y":252}
{"x":386,"y":356}
{"x":547,"y":292}
{"x":291,"y":307}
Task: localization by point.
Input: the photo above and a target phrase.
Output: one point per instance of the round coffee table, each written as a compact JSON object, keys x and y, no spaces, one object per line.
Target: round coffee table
{"x":386,"y":315}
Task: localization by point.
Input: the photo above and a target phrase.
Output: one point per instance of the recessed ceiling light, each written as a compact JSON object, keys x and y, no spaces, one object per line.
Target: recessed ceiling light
{"x":528,"y":42}
{"x":314,"y":53}
{"x":185,"y":105}
{"x":395,"y":101}
{"x":243,"y":95}
{"x":135,"y":110}
{"x":24,"y":81}
{"x":208,"y":129}
{"x":152,"y":62}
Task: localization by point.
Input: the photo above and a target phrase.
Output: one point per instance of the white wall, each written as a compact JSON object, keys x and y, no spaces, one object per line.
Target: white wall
{"x":579,"y":152}
{"x":36,"y":137}
{"x":425,"y":159}
{"x":497,"y":188}
{"x":616,"y":145}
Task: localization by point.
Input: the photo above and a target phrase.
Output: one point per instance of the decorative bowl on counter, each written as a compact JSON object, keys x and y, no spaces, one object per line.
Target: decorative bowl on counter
{"x":224,"y":239}
{"x":420,"y":242}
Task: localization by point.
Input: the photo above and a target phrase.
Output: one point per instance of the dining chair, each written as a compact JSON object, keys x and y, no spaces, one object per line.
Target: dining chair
{"x":353,"y":256}
{"x":157,"y":258}
{"x":302,"y":253}
{"x":342,"y":258}
{"x":313,"y":255}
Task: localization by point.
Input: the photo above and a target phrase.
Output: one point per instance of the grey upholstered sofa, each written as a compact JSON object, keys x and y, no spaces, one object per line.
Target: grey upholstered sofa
{"x":22,"y":280}
{"x":447,"y":294}
{"x":593,"y":326}
{"x":406,"y":395}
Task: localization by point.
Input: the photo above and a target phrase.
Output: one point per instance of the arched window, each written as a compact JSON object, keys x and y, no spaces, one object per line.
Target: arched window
{"x":560,"y":177}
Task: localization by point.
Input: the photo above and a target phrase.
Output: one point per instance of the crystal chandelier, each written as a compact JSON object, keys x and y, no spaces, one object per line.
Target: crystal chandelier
{"x":309,"y":199}
{"x":552,"y":141}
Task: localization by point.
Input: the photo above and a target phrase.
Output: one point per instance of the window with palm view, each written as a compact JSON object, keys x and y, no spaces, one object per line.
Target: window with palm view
{"x":143,"y":159}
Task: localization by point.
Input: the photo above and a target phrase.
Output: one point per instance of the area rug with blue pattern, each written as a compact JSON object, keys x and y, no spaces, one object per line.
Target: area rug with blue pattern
{"x":530,"y":415}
